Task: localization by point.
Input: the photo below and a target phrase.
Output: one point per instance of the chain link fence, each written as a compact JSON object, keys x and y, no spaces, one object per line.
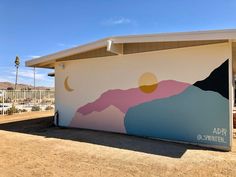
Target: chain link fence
{"x":17,"y":101}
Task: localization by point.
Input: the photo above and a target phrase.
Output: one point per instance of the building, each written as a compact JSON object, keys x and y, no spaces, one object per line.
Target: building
{"x":173,"y":86}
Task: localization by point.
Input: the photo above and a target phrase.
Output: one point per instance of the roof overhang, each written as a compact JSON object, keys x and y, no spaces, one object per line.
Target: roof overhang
{"x":51,"y":74}
{"x":115,"y":44}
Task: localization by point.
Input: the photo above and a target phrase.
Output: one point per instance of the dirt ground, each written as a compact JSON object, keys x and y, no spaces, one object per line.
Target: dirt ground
{"x":34,"y":147}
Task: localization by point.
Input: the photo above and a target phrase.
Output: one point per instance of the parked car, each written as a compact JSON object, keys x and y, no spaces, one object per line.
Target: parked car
{"x":5,"y":106}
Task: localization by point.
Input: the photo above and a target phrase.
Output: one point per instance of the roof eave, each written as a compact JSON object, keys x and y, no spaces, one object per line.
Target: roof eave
{"x":179,"y":36}
{"x":49,"y":60}
{"x":45,"y":61}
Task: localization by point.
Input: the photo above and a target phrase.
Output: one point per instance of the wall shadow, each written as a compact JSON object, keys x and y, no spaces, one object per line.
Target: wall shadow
{"x":44,"y":127}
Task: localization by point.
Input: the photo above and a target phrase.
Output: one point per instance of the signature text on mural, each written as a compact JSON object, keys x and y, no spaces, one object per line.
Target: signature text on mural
{"x":218,"y":135}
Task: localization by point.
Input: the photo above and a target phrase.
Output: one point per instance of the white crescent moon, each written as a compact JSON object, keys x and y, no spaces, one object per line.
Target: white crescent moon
{"x":66,"y":85}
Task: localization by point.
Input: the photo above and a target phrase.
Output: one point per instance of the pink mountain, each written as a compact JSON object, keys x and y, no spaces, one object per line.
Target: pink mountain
{"x":110,"y":119}
{"x":124,"y":99}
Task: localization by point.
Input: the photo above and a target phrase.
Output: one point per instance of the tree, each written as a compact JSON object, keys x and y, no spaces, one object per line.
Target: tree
{"x":17,"y":64}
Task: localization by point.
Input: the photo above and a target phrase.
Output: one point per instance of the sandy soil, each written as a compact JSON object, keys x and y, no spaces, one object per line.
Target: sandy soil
{"x":33,"y":147}
{"x":25,"y":116}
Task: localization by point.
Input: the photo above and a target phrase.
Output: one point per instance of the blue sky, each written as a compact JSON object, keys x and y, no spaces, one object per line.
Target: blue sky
{"x":33,"y":28}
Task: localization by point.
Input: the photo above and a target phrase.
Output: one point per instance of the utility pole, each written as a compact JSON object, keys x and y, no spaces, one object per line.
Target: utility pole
{"x":17,"y":64}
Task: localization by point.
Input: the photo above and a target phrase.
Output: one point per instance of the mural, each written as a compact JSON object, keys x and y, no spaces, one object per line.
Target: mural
{"x":148,"y":83}
{"x":66,"y":85}
{"x":217,"y":81}
{"x":164,"y":109}
{"x":169,"y":118}
{"x":121,"y":101}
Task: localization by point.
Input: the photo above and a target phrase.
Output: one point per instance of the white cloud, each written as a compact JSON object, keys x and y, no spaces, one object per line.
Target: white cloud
{"x":5,"y":79}
{"x":117,"y":21}
{"x":26,"y":76}
{"x":29,"y":73}
{"x":61,"y":44}
{"x":33,"y":56}
{"x":66,"y":45}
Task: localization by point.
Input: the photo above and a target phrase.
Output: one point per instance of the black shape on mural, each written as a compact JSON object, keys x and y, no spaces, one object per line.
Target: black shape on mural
{"x":217,"y":81}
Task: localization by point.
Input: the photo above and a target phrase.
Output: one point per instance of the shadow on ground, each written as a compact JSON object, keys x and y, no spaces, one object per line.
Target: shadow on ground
{"x":44,"y":127}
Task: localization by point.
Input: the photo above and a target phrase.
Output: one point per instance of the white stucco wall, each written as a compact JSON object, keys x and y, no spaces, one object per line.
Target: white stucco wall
{"x":90,"y":78}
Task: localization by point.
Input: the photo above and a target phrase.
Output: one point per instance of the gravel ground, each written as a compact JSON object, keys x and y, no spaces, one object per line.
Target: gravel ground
{"x":31,"y":146}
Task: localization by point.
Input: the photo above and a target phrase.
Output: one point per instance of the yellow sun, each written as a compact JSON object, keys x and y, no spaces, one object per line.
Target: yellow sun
{"x":148,"y":82}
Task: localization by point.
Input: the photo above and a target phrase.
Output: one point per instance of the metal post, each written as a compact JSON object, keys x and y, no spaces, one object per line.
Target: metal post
{"x":40,"y":97}
{"x":3,"y":98}
{"x":24,"y":98}
{"x":34,"y":78}
{"x":34,"y":89}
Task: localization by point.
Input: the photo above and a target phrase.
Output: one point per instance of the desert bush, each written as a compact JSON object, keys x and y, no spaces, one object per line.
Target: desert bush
{"x":23,"y":110}
{"x":12,"y":110}
{"x":35,"y":108}
{"x":49,"y":108}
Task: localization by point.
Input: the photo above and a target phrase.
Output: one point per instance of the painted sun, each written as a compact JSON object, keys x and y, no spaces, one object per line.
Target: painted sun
{"x":148,"y":82}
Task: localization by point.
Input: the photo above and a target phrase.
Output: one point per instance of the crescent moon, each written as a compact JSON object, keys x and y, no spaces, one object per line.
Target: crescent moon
{"x":66,"y":85}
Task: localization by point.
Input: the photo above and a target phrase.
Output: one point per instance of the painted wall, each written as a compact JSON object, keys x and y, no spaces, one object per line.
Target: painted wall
{"x":179,"y":94}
